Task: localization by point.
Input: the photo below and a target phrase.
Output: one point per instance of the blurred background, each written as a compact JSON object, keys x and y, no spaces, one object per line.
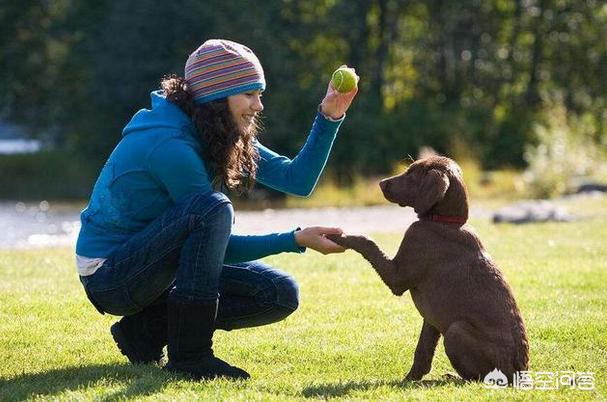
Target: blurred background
{"x":514,"y":90}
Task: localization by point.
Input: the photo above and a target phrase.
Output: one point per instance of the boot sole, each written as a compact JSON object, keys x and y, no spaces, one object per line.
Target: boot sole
{"x":208,"y":376}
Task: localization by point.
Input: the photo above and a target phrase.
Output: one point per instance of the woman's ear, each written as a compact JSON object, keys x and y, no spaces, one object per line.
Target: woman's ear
{"x":432,"y":189}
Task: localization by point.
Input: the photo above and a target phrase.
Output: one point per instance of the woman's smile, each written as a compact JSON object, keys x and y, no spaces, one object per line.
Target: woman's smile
{"x":249,"y":118}
{"x":245,"y":107}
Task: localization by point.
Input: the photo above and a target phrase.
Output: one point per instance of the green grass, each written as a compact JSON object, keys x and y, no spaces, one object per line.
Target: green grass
{"x":350,"y":339}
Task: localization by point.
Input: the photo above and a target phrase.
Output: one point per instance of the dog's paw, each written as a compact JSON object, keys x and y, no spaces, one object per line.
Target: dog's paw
{"x":348,"y":241}
{"x":336,"y":238}
{"x":412,"y":376}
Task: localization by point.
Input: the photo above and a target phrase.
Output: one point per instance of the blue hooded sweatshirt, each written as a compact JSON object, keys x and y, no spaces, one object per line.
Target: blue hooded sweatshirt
{"x":159,"y":160}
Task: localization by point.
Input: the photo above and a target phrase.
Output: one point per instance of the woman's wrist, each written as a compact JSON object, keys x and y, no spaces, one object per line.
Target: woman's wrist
{"x":329,"y":116}
{"x":297,"y":236}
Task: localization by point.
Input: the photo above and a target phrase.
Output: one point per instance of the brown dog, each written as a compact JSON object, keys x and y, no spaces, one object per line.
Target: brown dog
{"x":456,"y":287}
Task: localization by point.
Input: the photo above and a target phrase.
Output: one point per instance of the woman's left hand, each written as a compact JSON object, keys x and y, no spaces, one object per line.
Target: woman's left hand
{"x":335,"y":104}
{"x":314,"y":238}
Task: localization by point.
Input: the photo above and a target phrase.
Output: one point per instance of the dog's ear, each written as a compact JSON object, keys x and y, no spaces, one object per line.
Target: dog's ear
{"x":433,"y":188}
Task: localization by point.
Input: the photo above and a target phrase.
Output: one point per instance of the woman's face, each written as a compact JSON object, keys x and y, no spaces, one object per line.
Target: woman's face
{"x":245,"y":107}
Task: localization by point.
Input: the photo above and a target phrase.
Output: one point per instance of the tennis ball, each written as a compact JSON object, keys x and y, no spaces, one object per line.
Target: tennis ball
{"x":343,"y":80}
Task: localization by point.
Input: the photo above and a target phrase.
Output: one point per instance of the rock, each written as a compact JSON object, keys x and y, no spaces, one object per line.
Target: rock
{"x":592,"y":187}
{"x":532,"y":211}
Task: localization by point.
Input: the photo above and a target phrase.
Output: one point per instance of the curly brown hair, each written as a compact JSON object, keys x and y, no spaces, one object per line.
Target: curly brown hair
{"x":229,"y":151}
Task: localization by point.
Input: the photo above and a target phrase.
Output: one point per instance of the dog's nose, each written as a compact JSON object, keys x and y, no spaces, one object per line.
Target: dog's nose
{"x":383,"y":184}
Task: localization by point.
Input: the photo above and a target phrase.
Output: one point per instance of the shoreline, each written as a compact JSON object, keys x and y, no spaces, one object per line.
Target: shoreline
{"x":44,"y":224}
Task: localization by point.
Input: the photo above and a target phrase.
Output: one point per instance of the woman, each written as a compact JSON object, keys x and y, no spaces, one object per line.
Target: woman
{"x":156,"y":245}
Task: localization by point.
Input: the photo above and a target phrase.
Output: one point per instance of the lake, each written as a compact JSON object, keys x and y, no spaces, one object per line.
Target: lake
{"x":37,"y":224}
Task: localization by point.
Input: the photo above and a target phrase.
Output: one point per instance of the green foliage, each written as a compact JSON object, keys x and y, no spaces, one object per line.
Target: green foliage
{"x":564,"y":153}
{"x":431,"y":71}
{"x":46,"y":175}
{"x":330,"y":193}
{"x":349,"y":340}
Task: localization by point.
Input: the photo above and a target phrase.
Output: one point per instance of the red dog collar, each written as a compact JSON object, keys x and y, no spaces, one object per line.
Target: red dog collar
{"x":457,"y":220}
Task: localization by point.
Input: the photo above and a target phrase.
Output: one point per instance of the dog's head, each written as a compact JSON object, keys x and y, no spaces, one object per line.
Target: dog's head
{"x":430,"y":185}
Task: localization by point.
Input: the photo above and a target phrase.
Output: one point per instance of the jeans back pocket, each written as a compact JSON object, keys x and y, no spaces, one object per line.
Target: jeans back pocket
{"x":114,"y":301}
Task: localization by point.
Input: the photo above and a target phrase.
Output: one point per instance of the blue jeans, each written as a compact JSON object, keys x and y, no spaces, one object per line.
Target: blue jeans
{"x":182,"y":252}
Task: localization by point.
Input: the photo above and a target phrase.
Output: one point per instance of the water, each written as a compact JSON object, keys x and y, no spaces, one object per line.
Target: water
{"x":39,"y":224}
{"x":19,"y":146}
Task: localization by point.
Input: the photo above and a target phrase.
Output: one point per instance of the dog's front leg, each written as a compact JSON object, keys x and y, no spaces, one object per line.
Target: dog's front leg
{"x":424,"y":352}
{"x":383,"y":265}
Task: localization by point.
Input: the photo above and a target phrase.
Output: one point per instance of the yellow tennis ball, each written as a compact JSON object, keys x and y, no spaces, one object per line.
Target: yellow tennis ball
{"x":343,"y":80}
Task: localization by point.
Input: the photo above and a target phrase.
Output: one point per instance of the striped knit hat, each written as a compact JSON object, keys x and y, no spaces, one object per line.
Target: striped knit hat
{"x":220,"y":68}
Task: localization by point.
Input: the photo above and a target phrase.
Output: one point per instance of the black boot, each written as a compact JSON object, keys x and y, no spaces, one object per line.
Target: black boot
{"x":191,"y":327}
{"x":142,"y":336}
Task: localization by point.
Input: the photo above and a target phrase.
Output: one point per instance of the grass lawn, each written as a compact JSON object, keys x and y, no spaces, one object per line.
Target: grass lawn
{"x":350,"y":339}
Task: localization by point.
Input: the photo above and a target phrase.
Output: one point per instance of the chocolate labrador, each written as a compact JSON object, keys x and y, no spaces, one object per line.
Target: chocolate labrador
{"x":454,"y":283}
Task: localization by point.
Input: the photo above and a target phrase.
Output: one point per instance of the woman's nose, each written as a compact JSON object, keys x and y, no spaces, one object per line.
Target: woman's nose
{"x":257,"y":105}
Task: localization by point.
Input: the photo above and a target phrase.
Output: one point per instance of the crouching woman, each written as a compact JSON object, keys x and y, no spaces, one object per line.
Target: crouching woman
{"x":156,"y":245}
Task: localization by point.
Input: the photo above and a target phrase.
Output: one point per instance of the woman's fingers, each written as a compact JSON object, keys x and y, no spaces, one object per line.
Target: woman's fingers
{"x":328,"y":245}
{"x":328,"y":230}
{"x":314,"y":238}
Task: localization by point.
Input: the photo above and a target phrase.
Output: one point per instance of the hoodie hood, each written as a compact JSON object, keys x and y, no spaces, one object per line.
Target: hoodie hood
{"x":164,"y":114}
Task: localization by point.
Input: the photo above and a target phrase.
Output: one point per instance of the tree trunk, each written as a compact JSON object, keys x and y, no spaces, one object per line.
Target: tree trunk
{"x":516,"y":30}
{"x":532,"y":96}
{"x":359,"y":37}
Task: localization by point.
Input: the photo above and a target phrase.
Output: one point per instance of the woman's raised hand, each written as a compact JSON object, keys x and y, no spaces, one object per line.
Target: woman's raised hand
{"x":335,"y":103}
{"x":314,"y":238}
